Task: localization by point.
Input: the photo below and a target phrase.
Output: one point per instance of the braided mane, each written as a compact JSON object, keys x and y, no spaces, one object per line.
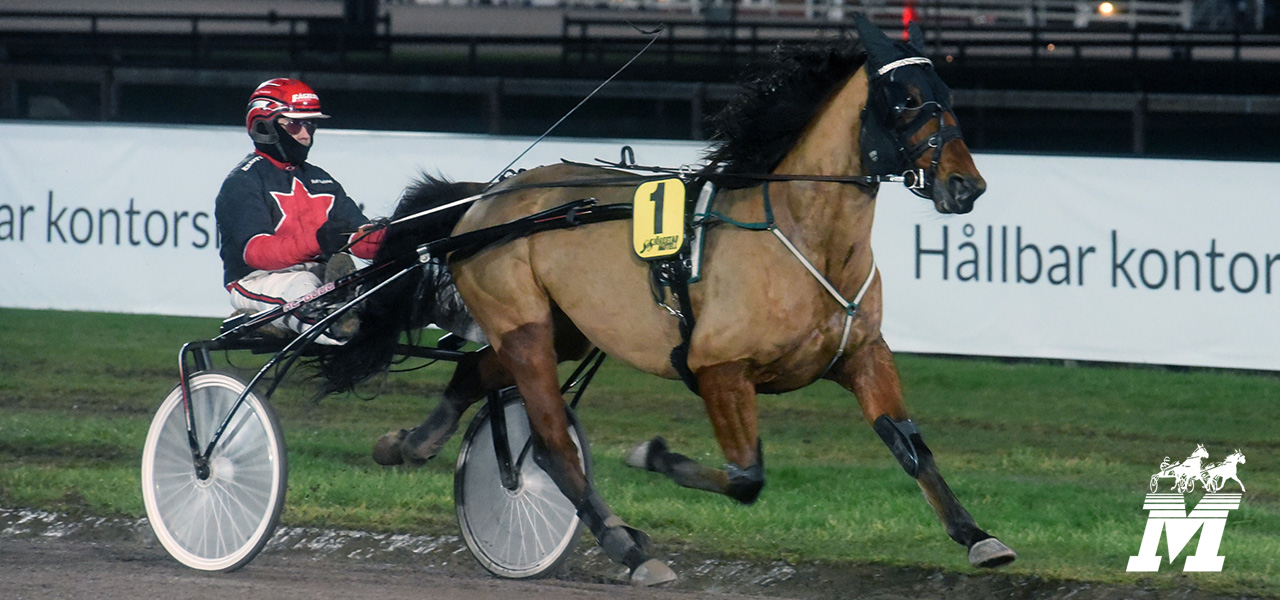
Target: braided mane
{"x":760,"y":125}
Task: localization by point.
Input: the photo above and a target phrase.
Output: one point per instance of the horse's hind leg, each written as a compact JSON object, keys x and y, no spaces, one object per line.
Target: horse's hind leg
{"x":529,"y":353}
{"x":654,"y":455}
{"x":475,"y":375}
{"x":730,"y":401}
{"x":871,"y":375}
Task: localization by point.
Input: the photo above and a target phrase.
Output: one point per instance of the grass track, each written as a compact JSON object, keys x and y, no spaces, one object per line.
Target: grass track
{"x":1053,"y":460}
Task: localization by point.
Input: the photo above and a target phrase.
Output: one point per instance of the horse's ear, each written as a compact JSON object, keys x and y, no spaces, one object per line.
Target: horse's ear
{"x":880,"y":49}
{"x":915,"y":37}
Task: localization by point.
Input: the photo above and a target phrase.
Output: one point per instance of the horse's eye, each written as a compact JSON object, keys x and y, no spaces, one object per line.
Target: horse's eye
{"x":910,"y":102}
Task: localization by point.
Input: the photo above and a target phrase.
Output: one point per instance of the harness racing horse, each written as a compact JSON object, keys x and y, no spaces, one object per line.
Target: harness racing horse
{"x":1217,"y":475}
{"x":798,"y":152}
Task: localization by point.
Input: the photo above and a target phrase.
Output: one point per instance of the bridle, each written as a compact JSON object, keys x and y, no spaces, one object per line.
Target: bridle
{"x":878,"y":136}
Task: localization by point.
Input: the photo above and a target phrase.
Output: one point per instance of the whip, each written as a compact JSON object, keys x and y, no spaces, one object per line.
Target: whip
{"x":469,"y":199}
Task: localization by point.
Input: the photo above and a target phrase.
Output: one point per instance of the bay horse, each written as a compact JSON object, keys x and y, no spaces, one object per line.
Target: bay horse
{"x":798,"y":150}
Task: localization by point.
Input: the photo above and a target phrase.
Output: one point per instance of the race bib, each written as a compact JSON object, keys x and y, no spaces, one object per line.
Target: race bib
{"x":658,"y":219}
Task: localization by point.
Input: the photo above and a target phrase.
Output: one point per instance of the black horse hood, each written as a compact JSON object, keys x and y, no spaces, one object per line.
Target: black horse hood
{"x":901,"y":80}
{"x":882,"y":51}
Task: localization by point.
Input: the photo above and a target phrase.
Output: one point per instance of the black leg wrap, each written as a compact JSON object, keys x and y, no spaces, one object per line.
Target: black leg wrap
{"x":620,"y":542}
{"x":621,"y":548}
{"x":656,"y":458}
{"x":745,"y":484}
{"x":903,"y":439}
{"x":683,"y":470}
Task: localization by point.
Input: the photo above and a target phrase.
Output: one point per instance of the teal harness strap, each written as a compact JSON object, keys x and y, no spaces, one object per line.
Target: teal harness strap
{"x":765,"y":225}
{"x":850,"y":306}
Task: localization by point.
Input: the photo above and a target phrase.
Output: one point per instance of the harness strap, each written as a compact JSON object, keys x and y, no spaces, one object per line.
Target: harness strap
{"x":680,"y":354}
{"x":675,"y":273}
{"x":850,"y":306}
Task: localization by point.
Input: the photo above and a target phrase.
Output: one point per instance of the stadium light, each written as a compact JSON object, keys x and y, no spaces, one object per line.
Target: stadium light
{"x":1106,"y":9}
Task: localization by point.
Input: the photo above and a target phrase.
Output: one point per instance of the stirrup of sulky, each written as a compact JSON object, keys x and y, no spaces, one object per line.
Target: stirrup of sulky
{"x":340,"y":265}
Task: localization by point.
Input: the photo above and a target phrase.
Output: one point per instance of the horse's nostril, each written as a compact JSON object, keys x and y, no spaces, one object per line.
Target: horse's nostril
{"x":962,"y":188}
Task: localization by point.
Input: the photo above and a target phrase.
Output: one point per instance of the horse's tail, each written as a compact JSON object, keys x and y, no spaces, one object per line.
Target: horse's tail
{"x":403,"y":305}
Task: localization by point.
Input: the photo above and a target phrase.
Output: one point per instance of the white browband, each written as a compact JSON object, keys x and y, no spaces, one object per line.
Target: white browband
{"x":912,"y":60}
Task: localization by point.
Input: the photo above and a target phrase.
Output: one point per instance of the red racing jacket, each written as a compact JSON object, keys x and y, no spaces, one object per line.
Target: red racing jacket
{"x":268,"y":214}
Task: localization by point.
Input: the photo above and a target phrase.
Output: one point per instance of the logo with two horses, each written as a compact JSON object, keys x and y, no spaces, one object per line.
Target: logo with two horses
{"x":1168,"y":516}
{"x":1185,"y":474}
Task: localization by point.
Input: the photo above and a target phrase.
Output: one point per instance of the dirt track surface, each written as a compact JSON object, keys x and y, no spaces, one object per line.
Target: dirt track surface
{"x":46,"y":556}
{"x":37,"y":569}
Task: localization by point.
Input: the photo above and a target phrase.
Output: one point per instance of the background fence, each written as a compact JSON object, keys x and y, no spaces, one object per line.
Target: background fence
{"x":1024,"y":81}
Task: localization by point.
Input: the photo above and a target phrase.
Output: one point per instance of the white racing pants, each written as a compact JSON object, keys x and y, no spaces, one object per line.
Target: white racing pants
{"x":262,"y":290}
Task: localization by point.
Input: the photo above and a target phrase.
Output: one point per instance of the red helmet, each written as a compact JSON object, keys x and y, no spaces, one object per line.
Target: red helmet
{"x":279,"y":97}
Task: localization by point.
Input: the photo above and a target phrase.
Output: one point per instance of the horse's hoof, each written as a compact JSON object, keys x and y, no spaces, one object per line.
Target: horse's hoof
{"x":652,"y":572}
{"x":386,"y":451}
{"x":990,"y":553}
{"x":639,"y":456}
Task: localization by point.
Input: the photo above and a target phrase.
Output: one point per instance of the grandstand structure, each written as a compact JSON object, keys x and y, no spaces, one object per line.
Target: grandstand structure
{"x":1202,"y":15}
{"x":1096,"y":76}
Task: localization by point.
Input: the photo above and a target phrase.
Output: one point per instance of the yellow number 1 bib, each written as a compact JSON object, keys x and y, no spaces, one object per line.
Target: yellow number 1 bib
{"x":658,"y":219}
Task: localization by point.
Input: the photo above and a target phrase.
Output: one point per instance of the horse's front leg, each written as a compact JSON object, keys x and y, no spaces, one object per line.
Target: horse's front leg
{"x":475,"y":375}
{"x":730,"y":400}
{"x":529,"y":354}
{"x":870,"y":373}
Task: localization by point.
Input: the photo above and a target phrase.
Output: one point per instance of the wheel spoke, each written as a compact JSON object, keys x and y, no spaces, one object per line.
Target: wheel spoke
{"x":219,"y":523}
{"x":513,"y":533}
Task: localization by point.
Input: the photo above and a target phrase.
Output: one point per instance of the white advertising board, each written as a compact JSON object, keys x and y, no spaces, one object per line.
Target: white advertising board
{"x":1130,"y":260}
{"x":120,"y":219}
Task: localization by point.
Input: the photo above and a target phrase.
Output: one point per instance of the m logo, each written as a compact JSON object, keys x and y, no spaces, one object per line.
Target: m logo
{"x":1168,"y":515}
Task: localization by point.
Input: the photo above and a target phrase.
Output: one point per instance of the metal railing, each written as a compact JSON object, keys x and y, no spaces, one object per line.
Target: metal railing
{"x":500,"y":94}
{"x":587,"y":36}
{"x":203,"y":38}
{"x":103,"y":34}
{"x":1079,"y":14}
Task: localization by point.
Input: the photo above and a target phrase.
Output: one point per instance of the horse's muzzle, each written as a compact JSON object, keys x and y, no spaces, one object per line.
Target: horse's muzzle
{"x":959,"y":192}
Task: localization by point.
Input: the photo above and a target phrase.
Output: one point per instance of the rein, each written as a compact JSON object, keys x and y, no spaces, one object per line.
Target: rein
{"x":601,"y":182}
{"x":912,"y":179}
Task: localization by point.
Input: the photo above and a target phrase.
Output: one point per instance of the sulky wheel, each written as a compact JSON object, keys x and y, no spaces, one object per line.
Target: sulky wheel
{"x":515,"y":533}
{"x":219,"y":518}
{"x":1155,"y":483}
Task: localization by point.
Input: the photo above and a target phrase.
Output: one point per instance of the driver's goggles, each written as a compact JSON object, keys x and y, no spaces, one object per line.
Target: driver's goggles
{"x":295,"y":126}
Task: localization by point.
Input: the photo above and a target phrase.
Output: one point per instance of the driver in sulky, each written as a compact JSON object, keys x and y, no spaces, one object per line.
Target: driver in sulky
{"x":287,"y":225}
